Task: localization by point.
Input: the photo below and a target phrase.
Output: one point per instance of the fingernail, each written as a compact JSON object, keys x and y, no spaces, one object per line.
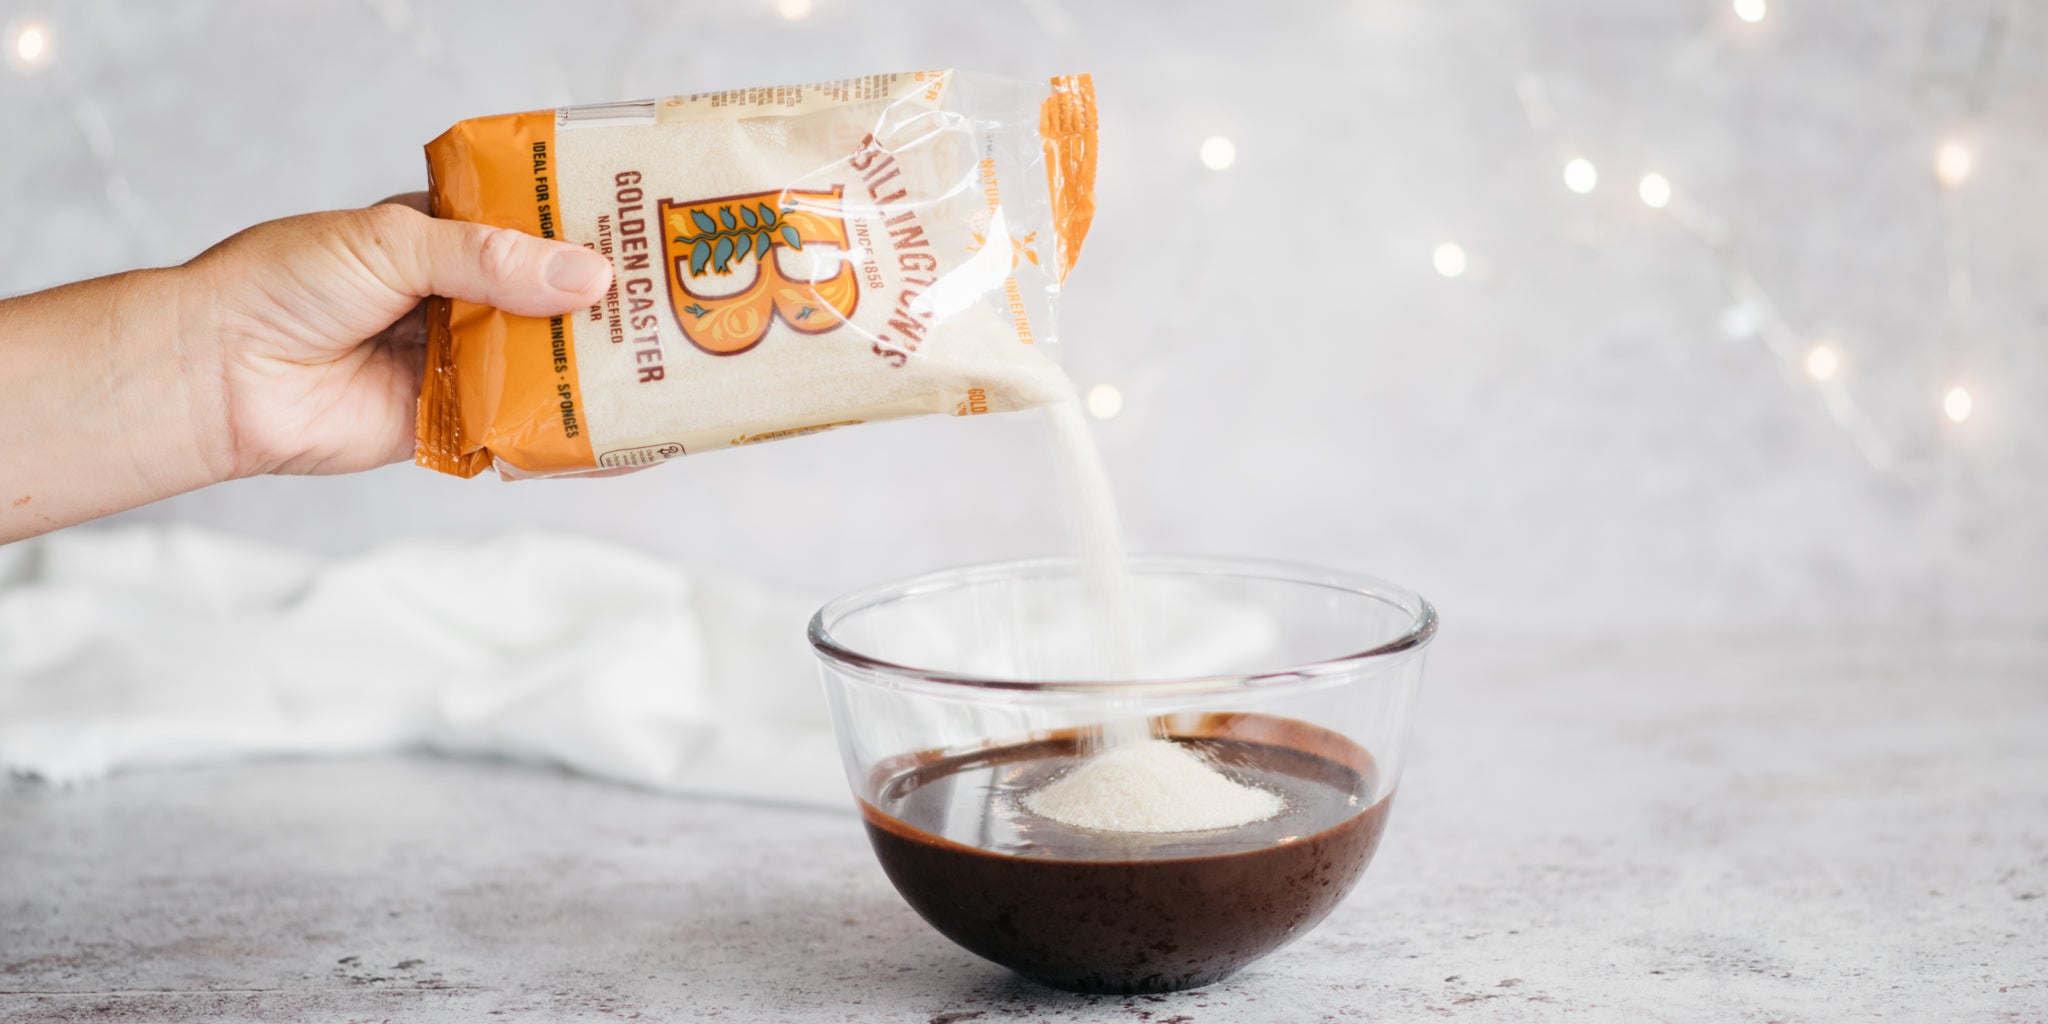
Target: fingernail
{"x":573,"y":270}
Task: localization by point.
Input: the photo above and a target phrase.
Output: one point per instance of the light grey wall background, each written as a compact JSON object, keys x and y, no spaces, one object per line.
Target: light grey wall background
{"x":1604,"y":423}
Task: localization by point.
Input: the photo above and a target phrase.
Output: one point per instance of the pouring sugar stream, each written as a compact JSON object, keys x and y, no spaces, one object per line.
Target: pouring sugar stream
{"x":1135,"y":779}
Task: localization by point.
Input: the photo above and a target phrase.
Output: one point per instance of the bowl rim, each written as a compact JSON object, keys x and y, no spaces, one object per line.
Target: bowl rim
{"x":1421,"y":629}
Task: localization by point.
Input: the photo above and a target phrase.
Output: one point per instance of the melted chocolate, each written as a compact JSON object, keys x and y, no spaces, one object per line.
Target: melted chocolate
{"x":1127,"y":912}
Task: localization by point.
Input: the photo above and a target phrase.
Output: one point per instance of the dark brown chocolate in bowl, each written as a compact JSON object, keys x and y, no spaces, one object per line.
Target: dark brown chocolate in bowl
{"x":1132,"y":912}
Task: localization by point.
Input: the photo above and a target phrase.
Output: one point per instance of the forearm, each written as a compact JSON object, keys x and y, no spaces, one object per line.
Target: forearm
{"x":293,"y":347}
{"x":114,"y":400}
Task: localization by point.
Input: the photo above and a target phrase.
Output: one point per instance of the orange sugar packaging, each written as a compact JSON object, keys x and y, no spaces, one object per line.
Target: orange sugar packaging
{"x":786,"y":260}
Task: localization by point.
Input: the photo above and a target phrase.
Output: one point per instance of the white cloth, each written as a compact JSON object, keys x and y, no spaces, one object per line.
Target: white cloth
{"x":148,"y":646}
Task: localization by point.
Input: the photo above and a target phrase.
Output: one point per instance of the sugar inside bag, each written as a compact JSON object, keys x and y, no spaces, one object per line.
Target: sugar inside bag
{"x":786,"y":260}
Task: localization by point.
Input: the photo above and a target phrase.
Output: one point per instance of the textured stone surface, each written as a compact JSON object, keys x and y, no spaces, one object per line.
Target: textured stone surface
{"x":1729,"y":828}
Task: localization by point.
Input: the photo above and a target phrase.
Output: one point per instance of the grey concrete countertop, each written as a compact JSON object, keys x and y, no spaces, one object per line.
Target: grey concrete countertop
{"x":1839,"y":828}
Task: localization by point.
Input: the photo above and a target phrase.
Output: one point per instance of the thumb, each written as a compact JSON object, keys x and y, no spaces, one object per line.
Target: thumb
{"x":417,"y":256}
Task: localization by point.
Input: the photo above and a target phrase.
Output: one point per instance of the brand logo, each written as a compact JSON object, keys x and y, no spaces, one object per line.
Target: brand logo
{"x":709,"y":244}
{"x":1020,"y":248}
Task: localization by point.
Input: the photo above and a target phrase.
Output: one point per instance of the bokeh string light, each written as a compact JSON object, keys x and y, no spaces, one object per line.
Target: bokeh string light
{"x":1753,"y":314}
{"x":1823,"y":362}
{"x":1655,"y":190}
{"x":1581,"y":176}
{"x":1957,"y":404}
{"x":1449,"y":259}
{"x":30,"y":45}
{"x":1217,"y":153}
{"x":1104,"y":401}
{"x":1952,"y":162}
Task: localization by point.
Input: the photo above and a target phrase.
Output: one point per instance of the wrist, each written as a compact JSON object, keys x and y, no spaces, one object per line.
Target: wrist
{"x":165,"y":366}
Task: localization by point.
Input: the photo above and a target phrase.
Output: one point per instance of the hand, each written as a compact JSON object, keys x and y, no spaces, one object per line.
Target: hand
{"x":322,"y":330}
{"x":293,"y":347}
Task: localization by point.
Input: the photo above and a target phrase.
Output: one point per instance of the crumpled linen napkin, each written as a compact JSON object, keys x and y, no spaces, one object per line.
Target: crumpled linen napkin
{"x":162,"y":645}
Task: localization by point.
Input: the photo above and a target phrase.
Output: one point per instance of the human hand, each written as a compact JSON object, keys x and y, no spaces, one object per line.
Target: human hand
{"x":293,"y":347}
{"x":321,"y":326}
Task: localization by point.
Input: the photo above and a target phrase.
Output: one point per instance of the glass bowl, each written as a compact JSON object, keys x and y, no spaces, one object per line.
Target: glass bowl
{"x":956,"y":696}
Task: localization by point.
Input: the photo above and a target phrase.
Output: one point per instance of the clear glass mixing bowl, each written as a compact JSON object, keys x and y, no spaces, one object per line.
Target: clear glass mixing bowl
{"x":952,"y":693}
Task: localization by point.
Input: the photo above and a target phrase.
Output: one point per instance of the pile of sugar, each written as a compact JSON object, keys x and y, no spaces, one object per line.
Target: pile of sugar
{"x":1150,"y":786}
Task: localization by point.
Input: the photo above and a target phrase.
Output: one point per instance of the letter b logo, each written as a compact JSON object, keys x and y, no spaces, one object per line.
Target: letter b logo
{"x":716,"y":238}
